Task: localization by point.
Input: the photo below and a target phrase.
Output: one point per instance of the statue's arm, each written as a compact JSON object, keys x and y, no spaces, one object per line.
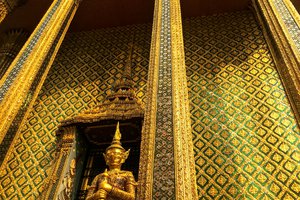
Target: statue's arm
{"x":130,"y":186}
{"x":92,"y":189}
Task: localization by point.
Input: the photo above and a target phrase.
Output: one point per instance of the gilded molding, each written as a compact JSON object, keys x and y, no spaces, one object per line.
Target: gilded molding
{"x":292,"y":11}
{"x":144,"y":188}
{"x":17,"y":92}
{"x":283,"y":48}
{"x":184,"y":155}
{"x":185,"y":181}
{"x":289,"y":21}
{"x":60,"y":165}
{"x":13,"y":132}
{"x":63,"y":17}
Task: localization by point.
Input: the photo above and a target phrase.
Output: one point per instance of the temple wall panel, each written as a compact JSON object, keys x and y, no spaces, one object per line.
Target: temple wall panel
{"x":246,"y":140}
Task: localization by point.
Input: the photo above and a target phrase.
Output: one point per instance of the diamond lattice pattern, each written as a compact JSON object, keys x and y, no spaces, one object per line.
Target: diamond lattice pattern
{"x":246,"y":140}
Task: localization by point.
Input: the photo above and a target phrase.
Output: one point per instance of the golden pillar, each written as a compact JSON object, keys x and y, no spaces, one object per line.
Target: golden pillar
{"x":281,"y":25}
{"x":13,"y":41}
{"x":167,"y":168}
{"x":22,"y":81}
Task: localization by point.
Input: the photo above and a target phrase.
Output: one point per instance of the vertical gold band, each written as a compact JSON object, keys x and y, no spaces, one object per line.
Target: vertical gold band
{"x":20,"y":85}
{"x":183,"y":145}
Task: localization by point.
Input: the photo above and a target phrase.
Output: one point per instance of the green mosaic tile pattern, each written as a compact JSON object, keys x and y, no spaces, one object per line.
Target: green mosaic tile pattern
{"x":86,"y":66}
{"x":246,"y":142}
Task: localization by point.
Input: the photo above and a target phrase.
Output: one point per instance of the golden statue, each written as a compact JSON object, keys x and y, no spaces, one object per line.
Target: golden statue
{"x":113,"y":184}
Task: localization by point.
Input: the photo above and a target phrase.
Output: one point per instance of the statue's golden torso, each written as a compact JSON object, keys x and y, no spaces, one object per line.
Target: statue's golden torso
{"x":122,"y":180}
{"x":118,"y":179}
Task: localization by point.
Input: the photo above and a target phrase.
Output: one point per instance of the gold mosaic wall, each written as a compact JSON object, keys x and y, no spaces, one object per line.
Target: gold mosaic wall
{"x":86,"y":66}
{"x":247,"y":144}
{"x":246,"y":138}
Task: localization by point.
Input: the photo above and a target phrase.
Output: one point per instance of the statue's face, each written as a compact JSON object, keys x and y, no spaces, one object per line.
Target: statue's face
{"x":115,"y":157}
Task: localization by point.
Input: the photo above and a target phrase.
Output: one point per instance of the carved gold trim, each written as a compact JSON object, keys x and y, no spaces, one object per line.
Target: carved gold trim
{"x":28,"y":42}
{"x":283,"y":27}
{"x":184,"y":160}
{"x":149,"y":127}
{"x":293,"y":11}
{"x":17,"y":92}
{"x":55,"y":178}
{"x":283,"y":50}
{"x":24,"y":120}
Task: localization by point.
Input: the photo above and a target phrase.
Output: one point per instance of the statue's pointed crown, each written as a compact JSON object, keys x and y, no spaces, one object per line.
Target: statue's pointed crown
{"x":116,"y":142}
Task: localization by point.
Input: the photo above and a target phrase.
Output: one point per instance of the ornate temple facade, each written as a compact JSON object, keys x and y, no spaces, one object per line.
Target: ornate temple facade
{"x":207,"y":95}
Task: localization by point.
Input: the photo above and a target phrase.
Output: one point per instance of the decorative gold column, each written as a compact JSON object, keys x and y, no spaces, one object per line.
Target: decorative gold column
{"x":13,"y":41}
{"x":167,"y":168}
{"x":21,"y":83}
{"x":281,"y":26}
{"x":64,"y":167}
